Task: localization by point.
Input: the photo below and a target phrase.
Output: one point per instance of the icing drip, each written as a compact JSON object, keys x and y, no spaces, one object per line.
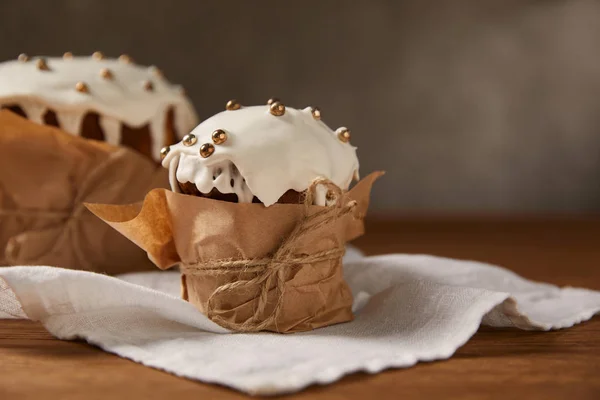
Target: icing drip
{"x":172,"y":166}
{"x":157,"y":129}
{"x":35,"y":111}
{"x":71,"y":121}
{"x":264,"y":155}
{"x":321,"y":195}
{"x":112,"y":130}
{"x":223,"y":176}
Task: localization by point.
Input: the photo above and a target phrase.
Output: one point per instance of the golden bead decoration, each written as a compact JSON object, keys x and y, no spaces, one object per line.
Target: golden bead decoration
{"x":233,"y":105}
{"x":343,"y":134}
{"x":189,"y":140}
{"x":148,"y":86}
{"x":41,"y":64}
{"x":330,"y":196}
{"x":316,"y":113}
{"x":23,"y":57}
{"x":219,"y":136}
{"x":206,"y":150}
{"x":164,"y":151}
{"x":81,"y":87}
{"x":273,"y":100}
{"x":68,"y":55}
{"x":124,"y":58}
{"x":277,"y":109}
{"x":157,"y":71}
{"x":98,"y":55}
{"x":106,"y":73}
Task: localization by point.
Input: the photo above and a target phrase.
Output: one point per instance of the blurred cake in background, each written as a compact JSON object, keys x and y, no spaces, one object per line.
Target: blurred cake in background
{"x":112,"y":100}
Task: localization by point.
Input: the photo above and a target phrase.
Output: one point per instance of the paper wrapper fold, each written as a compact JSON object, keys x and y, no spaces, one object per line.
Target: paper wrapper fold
{"x":45,"y":176}
{"x":209,"y":239}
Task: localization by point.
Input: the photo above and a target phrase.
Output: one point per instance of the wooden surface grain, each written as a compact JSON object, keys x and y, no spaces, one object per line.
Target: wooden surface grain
{"x":494,"y":364}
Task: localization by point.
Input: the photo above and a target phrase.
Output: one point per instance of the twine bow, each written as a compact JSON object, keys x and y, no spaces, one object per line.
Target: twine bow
{"x":272,"y":271}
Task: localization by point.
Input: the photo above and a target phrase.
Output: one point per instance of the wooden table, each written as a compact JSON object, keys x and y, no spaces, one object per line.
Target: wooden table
{"x":494,"y":364}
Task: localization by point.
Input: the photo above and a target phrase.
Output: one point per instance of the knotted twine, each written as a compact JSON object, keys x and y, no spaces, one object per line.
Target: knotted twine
{"x":273,"y":270}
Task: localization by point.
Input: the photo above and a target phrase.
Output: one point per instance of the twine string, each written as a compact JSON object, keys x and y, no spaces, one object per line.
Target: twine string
{"x":271,"y":272}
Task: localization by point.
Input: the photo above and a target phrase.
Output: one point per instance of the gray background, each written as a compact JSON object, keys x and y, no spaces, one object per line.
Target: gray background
{"x":479,"y":106}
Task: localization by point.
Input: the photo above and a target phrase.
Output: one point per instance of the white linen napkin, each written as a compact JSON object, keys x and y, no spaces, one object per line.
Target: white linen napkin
{"x":409,"y":308}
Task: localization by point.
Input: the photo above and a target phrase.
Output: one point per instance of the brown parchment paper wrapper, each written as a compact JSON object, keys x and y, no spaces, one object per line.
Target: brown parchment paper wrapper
{"x":187,"y":230}
{"x":45,"y":176}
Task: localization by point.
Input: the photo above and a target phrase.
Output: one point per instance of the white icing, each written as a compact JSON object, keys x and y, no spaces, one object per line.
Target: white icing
{"x":265,"y":155}
{"x":34,"y":110}
{"x":70,"y":121}
{"x":112,"y":130}
{"x":122,"y":98}
{"x":157,"y":124}
{"x":172,"y":166}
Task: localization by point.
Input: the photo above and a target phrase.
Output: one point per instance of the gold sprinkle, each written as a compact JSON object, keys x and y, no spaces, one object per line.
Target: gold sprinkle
{"x":124,"y":58}
{"x":330,"y":196}
{"x":82,"y":87}
{"x":273,"y":100}
{"x":233,"y":105}
{"x":189,"y":140}
{"x":23,"y":57}
{"x":156,"y":71}
{"x":164,"y":151}
{"x":148,"y":86}
{"x":106,"y":73}
{"x":68,"y":56}
{"x":206,"y":150}
{"x":316,"y":113}
{"x":219,"y":136}
{"x":343,"y":134}
{"x":98,"y":55}
{"x":41,"y":64}
{"x":277,"y":109}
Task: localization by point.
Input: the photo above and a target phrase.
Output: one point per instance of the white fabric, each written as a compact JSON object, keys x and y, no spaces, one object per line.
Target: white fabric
{"x":409,"y":308}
